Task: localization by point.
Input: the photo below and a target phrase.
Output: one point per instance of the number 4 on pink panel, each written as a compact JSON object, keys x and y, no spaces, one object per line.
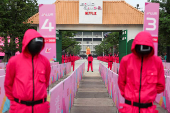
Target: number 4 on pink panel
{"x":50,"y":27}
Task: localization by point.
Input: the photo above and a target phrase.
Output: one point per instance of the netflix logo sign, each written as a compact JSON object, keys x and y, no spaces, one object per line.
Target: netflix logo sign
{"x":90,"y":13}
{"x":89,"y":10}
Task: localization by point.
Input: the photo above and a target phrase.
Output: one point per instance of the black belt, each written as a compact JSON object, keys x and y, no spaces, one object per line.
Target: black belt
{"x":30,"y":103}
{"x":141,"y":105}
{"x":110,"y":61}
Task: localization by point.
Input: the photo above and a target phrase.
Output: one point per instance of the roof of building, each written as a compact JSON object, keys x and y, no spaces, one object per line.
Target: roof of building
{"x":114,"y":12}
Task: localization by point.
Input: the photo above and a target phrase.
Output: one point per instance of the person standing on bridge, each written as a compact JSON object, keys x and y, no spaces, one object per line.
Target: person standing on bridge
{"x":65,"y":59}
{"x":72,"y":61}
{"x":141,"y":76}
{"x":110,"y":61}
{"x":90,"y":62}
{"x":62,"y":59}
{"x":70,"y":58}
{"x":27,"y":77}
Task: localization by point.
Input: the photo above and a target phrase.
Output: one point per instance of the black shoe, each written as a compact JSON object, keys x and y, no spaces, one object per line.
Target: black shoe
{"x":92,"y":71}
{"x":87,"y":71}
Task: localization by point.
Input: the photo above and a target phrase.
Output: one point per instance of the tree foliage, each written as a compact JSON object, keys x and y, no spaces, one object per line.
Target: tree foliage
{"x":75,"y":50}
{"x":107,"y":44}
{"x":69,"y":44}
{"x":67,"y":39}
{"x":13,"y":18}
{"x":99,"y":50}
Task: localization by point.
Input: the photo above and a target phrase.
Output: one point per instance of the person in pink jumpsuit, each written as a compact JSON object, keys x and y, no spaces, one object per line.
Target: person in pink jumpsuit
{"x":65,"y":59}
{"x":72,"y":58}
{"x":117,"y":59}
{"x":141,"y":76}
{"x":27,"y":77}
{"x":62,"y":59}
{"x":110,"y":61}
{"x":90,"y":62}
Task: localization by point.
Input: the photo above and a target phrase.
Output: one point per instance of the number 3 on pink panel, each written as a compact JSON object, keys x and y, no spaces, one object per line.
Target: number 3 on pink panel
{"x":151,"y":24}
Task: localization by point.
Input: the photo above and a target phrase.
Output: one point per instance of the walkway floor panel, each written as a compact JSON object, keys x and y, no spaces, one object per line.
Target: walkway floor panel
{"x":92,"y":96}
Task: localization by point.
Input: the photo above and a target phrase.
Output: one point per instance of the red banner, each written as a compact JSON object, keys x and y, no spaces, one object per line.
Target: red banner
{"x":50,"y":40}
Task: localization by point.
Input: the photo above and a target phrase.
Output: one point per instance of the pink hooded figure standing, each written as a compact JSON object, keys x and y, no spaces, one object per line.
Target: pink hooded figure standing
{"x":72,"y":58}
{"x":27,"y":77}
{"x":141,"y":76}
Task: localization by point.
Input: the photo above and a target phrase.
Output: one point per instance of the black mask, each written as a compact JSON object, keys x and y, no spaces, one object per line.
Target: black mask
{"x":35,"y":46}
{"x":143,"y":50}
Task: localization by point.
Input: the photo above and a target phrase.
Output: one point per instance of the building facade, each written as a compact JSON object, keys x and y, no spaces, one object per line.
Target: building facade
{"x":89,"y":39}
{"x":117,"y":15}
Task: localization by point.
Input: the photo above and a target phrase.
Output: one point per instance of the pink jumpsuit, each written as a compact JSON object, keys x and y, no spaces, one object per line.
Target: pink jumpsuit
{"x":141,"y":78}
{"x":90,"y":59}
{"x":27,"y":79}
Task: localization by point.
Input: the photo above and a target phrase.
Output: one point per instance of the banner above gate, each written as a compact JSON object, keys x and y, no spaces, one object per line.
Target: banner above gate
{"x":90,"y":11}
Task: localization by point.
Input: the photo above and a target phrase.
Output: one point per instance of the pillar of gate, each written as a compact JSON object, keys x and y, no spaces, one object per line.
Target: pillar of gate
{"x":58,"y":46}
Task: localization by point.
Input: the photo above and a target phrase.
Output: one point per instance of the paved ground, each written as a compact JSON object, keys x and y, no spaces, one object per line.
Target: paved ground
{"x":92,"y":96}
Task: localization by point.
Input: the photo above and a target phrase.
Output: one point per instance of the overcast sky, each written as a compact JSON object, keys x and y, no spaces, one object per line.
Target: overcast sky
{"x":131,"y":2}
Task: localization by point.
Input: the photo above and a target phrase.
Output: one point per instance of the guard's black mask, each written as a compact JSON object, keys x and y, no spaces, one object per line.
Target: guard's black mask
{"x":35,"y":45}
{"x":143,"y":49}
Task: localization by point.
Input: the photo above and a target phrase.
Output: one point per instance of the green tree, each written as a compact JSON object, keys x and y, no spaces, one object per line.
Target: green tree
{"x":69,"y":44}
{"x":112,"y":39}
{"x":99,"y":50}
{"x":75,"y":50}
{"x":13,"y":22}
{"x":67,"y":39}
